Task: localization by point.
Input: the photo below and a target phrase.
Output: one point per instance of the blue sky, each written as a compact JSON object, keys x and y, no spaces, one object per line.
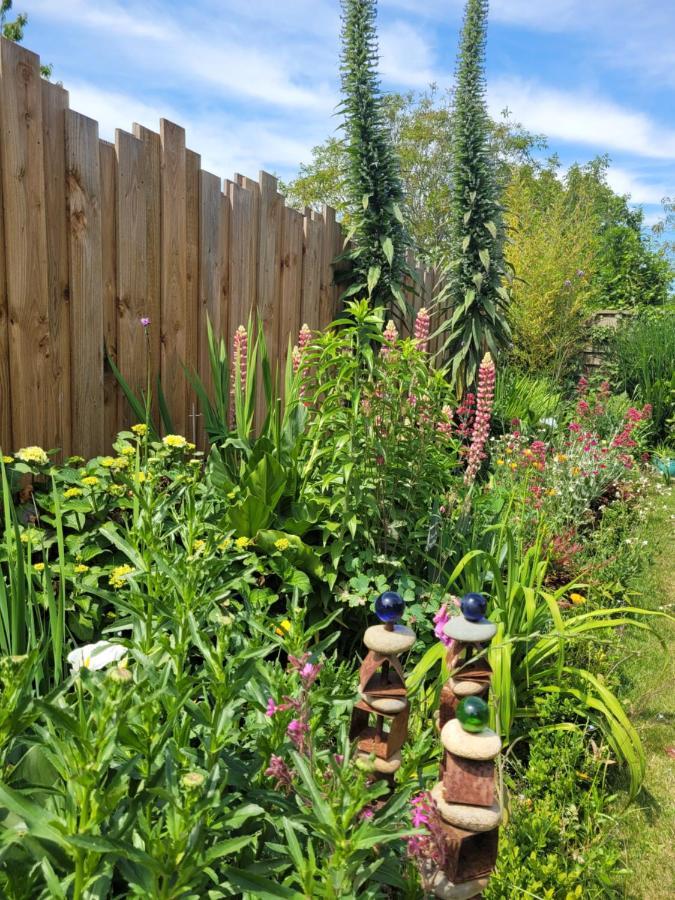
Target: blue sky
{"x":254,"y":81}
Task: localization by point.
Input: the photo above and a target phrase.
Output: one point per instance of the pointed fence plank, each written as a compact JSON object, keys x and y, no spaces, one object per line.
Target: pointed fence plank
{"x":87,"y":326}
{"x":108,"y":168}
{"x":210,"y":265}
{"x":244,"y":196}
{"x":54,"y":110}
{"x":312,"y":252}
{"x":174,"y":272}
{"x":34,"y":410}
{"x":192,"y":321}
{"x":291,"y":285}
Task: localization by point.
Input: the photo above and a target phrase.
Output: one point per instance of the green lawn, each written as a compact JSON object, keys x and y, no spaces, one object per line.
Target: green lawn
{"x":649,"y":827}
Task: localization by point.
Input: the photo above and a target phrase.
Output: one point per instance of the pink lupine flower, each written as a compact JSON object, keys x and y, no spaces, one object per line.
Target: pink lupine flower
{"x":296,"y":357}
{"x":272,"y":708}
{"x":481,"y":425}
{"x":304,"y":337}
{"x":441,"y":619}
{"x":390,"y":335}
{"x":239,"y":365}
{"x":278,"y":770}
{"x":422,"y":323}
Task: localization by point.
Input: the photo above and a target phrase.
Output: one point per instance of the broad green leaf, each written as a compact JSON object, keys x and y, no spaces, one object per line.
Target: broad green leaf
{"x":374,"y":273}
{"x":388,"y":249}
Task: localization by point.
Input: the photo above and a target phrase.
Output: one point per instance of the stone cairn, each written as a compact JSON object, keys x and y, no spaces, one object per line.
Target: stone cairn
{"x":380,"y":718}
{"x":466,"y":795}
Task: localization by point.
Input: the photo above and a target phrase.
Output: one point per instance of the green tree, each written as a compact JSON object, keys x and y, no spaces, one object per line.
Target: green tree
{"x":474,"y":295}
{"x":14,"y":30}
{"x":378,"y":238}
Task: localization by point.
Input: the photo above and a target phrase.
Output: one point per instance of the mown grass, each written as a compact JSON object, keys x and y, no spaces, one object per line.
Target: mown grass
{"x":648,"y":830}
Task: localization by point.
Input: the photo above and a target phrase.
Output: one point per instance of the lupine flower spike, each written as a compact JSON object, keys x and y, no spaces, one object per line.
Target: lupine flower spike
{"x":422,"y":323}
{"x":239,"y":364}
{"x":390,"y":335}
{"x":481,"y":425}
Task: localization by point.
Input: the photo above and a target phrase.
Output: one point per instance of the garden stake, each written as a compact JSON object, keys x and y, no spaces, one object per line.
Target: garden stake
{"x":466,"y":796}
{"x":382,"y":692}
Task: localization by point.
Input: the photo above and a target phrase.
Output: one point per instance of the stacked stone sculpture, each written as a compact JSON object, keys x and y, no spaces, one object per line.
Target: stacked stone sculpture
{"x":466,"y":795}
{"x":380,"y":718}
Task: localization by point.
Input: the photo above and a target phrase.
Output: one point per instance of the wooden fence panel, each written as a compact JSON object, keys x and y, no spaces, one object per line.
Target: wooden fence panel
{"x":243,"y":256}
{"x":291,"y":285}
{"x":35,"y":414}
{"x":327,"y":286}
{"x":86,"y":289}
{"x":192,"y":319}
{"x":108,"y":167}
{"x":132,"y":351}
{"x":54,"y":107}
{"x":6,"y":442}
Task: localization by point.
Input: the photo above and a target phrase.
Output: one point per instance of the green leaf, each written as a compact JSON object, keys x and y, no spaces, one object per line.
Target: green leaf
{"x":260,"y":887}
{"x":388,"y":249}
{"x":465,"y":243}
{"x":492,"y":228}
{"x":374,"y":273}
{"x":484,"y":255}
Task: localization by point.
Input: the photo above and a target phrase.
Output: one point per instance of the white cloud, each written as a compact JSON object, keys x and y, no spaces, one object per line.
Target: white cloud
{"x":624,"y":181}
{"x":581,"y":118}
{"x":406,"y":58}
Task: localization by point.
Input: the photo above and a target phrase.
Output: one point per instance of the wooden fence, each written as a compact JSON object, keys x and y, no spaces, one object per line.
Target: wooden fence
{"x":94,"y":236}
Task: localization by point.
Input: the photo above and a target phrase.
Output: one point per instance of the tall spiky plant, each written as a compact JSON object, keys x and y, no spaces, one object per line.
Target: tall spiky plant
{"x":473,"y":294}
{"x":378,"y":237}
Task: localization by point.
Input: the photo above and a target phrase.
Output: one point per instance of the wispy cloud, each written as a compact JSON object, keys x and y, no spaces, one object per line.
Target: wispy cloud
{"x":582,"y":118}
{"x":406,"y":57}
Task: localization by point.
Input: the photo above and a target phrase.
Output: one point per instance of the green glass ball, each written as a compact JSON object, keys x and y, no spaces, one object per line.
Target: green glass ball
{"x":473,"y":714}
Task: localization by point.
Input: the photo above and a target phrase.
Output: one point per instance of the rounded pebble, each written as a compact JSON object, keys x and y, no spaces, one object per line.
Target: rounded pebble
{"x":467,"y":688}
{"x":468,"y":818}
{"x":389,"y":705}
{"x":472,"y":632}
{"x":381,"y":640}
{"x":382,"y":766}
{"x":482,"y":746}
{"x":440,"y":885}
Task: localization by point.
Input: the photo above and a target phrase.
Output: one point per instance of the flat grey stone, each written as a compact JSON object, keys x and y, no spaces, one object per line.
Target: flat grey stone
{"x":461,"y":629}
{"x":381,"y":640}
{"x":467,"y":688}
{"x":469,"y":818}
{"x":440,"y":886}
{"x":383,"y":766}
{"x":482,"y":745}
{"x":389,"y":705}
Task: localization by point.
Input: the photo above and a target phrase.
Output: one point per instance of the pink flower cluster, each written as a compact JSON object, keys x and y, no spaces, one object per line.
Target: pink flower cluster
{"x":624,"y":439}
{"x":445,"y":425}
{"x":278,"y":770}
{"x":441,"y":619}
{"x":422,"y":326}
{"x":429,"y":846}
{"x":481,"y":425}
{"x":307,"y":670}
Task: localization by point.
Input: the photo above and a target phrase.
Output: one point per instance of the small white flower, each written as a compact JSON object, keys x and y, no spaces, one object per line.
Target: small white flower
{"x":95,"y":656}
{"x":551,"y":423}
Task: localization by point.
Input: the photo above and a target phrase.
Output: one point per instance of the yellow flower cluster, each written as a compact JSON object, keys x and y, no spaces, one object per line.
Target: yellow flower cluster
{"x":72,"y":492}
{"x":7,"y":460}
{"x":282,"y":544}
{"x":39,"y":566}
{"x":127,"y":450}
{"x":226,"y":544}
{"x":90,"y":480}
{"x":80,"y":568}
{"x":107,"y":462}
{"x":33,"y":455}
{"x":242,"y":543}
{"x":577,"y":599}
{"x":175,"y":441}
{"x":119,"y":575}
{"x":140,"y":429}
{"x":140,"y":477}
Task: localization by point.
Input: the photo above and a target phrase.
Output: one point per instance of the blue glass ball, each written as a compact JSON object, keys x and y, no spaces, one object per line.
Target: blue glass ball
{"x":389,"y":606}
{"x":474,"y":607}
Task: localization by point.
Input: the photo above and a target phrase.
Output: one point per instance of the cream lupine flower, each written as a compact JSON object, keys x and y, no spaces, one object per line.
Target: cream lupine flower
{"x":95,"y":656}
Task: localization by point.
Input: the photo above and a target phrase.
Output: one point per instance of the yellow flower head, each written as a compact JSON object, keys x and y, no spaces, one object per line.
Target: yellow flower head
{"x":107,"y":462}
{"x":119,"y":575}
{"x":242,"y":543}
{"x":577,"y":599}
{"x":80,"y":568}
{"x":72,"y":492}
{"x":33,"y":455}
{"x":39,"y":567}
{"x":282,"y":544}
{"x":513,"y":466}
{"x":121,"y":462}
{"x":127,"y":450}
{"x":90,"y":480}
{"x":226,"y":544}
{"x":198,"y":545}
{"x":500,"y":462}
{"x":284,"y":628}
{"x":115,"y":490}
{"x":176,"y":441}
{"x":8,"y":460}
{"x":140,"y":477}
{"x":140,"y":429}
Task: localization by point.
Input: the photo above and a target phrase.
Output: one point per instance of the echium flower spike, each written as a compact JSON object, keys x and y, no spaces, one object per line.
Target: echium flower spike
{"x":481,"y":425}
{"x":390,"y":335}
{"x":422,"y":324}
